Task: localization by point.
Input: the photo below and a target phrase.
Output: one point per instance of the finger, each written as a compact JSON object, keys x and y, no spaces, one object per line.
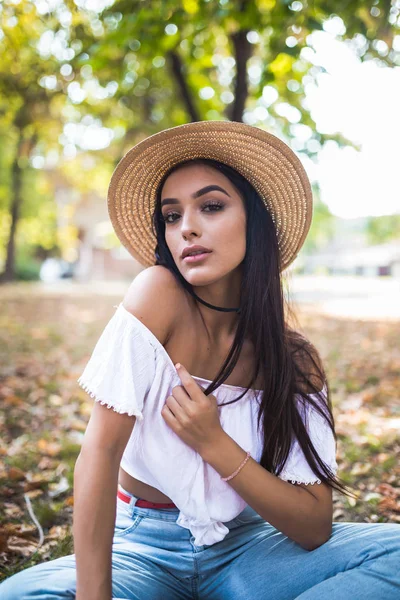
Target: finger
{"x":176,"y":409}
{"x":190,"y":385}
{"x":184,"y":400}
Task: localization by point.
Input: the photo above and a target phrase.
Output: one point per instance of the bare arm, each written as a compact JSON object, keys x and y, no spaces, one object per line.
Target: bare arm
{"x":95,"y":491}
{"x":95,"y":484}
{"x":303,"y":514}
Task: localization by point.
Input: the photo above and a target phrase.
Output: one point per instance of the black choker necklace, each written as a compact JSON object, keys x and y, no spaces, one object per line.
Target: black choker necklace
{"x":214,"y":307}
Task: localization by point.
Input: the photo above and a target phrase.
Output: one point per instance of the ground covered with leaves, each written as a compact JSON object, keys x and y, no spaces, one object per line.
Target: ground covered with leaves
{"x":45,"y":342}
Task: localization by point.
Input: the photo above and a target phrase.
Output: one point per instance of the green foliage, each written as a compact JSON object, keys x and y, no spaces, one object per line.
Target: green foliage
{"x":322,"y":228}
{"x":27,"y":268}
{"x":383,"y":229}
{"x":134,"y":46}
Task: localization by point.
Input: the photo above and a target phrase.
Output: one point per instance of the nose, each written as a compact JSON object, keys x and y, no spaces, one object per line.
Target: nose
{"x":189,"y":224}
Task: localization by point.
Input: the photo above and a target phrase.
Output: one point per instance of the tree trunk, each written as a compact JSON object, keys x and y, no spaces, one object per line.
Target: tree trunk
{"x":15,"y":209}
{"x":242,"y":53}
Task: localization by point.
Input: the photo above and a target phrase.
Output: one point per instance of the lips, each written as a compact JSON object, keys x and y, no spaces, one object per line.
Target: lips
{"x":196,"y":253}
{"x":194,"y":249}
{"x":195,"y":258}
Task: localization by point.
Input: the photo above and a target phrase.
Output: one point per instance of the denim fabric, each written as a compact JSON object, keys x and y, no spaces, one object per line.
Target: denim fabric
{"x":155,"y":559}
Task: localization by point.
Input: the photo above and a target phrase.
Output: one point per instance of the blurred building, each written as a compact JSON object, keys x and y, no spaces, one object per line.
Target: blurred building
{"x":98,"y":256}
{"x":347,"y":258}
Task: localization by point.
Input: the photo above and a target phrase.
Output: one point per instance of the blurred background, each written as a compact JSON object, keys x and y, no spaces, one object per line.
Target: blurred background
{"x":81,"y":82}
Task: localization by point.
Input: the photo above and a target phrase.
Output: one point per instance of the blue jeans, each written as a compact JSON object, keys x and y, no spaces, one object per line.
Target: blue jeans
{"x":155,"y":559}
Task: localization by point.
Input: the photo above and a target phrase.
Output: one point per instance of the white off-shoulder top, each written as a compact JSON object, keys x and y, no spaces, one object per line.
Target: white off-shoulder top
{"x":131,"y":372}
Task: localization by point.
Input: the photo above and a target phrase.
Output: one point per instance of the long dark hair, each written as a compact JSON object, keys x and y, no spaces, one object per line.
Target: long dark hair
{"x":285,"y":358}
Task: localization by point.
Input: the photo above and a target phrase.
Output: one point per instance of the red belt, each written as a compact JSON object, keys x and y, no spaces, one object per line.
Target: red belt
{"x":145,"y":503}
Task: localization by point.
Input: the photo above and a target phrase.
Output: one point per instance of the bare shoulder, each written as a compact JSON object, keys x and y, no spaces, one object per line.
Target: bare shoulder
{"x":156,"y":298}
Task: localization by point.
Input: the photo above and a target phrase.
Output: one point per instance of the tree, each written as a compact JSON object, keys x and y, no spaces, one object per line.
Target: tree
{"x":33,"y":48}
{"x":171,"y":61}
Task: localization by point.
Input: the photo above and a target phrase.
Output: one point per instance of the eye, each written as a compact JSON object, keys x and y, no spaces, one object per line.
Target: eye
{"x":214,"y":205}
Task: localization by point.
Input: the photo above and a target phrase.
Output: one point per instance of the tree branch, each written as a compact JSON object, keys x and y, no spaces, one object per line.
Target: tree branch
{"x":177,"y":72}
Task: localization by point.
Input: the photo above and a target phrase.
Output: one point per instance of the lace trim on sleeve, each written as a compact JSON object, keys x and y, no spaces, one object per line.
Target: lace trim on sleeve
{"x":293,"y":479}
{"x":120,"y":408}
{"x":297,"y":470}
{"x":122,"y":366}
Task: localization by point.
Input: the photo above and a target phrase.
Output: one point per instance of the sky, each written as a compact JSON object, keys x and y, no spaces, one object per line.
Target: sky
{"x":362,"y":101}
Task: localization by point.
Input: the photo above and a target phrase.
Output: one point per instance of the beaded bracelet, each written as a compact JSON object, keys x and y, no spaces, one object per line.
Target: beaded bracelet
{"x":238,"y":469}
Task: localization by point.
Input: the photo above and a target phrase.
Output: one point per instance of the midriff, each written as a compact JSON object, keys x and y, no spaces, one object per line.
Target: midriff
{"x":140,"y":489}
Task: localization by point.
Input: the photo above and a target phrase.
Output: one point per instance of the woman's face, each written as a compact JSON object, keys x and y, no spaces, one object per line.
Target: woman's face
{"x":213,"y":218}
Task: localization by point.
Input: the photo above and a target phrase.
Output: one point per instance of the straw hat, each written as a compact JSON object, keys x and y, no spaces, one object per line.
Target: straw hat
{"x":264,"y":160}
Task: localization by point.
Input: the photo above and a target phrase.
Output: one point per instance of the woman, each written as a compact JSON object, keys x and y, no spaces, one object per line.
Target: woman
{"x":225,"y":495}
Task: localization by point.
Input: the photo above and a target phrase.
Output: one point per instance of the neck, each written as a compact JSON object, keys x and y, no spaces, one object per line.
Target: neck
{"x":219,"y":314}
{"x":222,"y":309}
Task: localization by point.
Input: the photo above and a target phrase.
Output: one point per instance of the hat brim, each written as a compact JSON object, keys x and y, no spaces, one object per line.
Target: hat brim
{"x":264,"y":160}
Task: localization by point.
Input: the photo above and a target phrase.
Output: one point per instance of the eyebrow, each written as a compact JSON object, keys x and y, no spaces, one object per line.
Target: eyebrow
{"x":201,"y":192}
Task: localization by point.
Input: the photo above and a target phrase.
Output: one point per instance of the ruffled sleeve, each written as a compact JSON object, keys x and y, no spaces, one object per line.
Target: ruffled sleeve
{"x":297,"y":469}
{"x":121,"y":368}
